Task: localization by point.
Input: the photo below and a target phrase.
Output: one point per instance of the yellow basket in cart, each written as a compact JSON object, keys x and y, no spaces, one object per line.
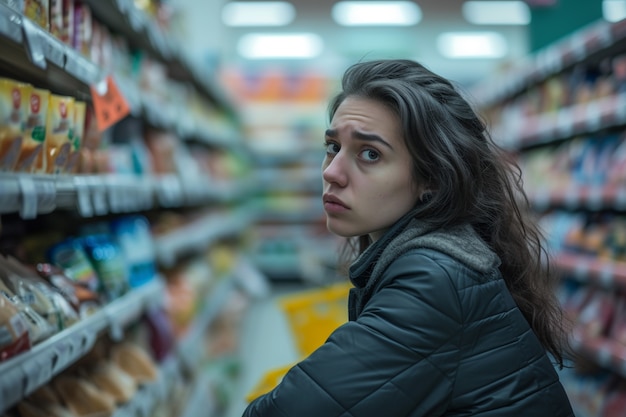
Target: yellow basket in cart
{"x":312,"y":316}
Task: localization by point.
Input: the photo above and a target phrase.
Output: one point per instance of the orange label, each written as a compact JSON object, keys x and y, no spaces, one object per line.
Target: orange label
{"x":109,"y":104}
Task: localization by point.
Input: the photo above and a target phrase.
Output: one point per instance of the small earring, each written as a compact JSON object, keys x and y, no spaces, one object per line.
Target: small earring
{"x":426,"y":196}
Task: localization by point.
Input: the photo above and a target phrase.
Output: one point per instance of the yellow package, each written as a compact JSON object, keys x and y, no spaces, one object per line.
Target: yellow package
{"x":78,"y":133}
{"x":12,"y":111}
{"x":31,"y":155}
{"x":38,"y":11}
{"x":59,"y":123}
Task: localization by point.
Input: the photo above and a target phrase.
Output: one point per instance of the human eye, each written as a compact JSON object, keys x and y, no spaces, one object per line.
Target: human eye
{"x":332,"y":148}
{"x":369,"y":155}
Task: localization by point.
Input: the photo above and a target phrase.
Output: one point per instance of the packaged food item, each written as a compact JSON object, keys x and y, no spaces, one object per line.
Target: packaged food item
{"x":14,"y":335}
{"x":109,"y":263}
{"x":58,"y":311}
{"x":58,"y":133}
{"x":12,"y":113}
{"x":38,"y":11}
{"x":110,"y":378}
{"x":82,"y":28}
{"x":82,"y":397}
{"x":70,"y":256}
{"x":56,"y":18}
{"x":133,"y":235}
{"x":31,"y":155}
{"x":91,"y":143}
{"x":135,"y":361}
{"x":78,"y":133}
{"x":84,"y":301}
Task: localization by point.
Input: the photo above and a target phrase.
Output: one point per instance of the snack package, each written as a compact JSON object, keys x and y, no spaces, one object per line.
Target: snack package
{"x":31,"y":155}
{"x":84,"y":301}
{"x":57,"y":310}
{"x":78,"y":133}
{"x":133,"y":235}
{"x":135,"y":361}
{"x":111,"y":379}
{"x":58,"y":133}
{"x":38,"y":327}
{"x":108,"y":261}
{"x":70,"y":256}
{"x":12,"y":113}
{"x":82,"y":397}
{"x":14,"y":336}
{"x":38,"y":11}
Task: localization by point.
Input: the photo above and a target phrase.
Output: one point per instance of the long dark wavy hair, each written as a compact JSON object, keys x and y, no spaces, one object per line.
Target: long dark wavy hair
{"x":472,"y":181}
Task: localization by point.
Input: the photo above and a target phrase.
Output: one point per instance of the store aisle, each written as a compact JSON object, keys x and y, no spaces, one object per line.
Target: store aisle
{"x":266,"y":343}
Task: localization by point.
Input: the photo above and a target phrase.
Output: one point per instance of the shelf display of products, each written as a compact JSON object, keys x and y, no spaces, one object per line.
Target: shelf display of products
{"x":561,"y":114}
{"x":123,"y":216}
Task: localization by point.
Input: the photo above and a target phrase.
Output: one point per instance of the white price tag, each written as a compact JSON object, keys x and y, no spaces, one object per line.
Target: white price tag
{"x":64,"y":354}
{"x":28,"y":192}
{"x":11,"y":386}
{"x":34,"y":43}
{"x":38,"y":372}
{"x":54,"y":50}
{"x":83,"y":194}
{"x":98,"y":195}
{"x":46,"y":195}
{"x":88,"y":339}
{"x":606,"y":275}
{"x":581,"y":271}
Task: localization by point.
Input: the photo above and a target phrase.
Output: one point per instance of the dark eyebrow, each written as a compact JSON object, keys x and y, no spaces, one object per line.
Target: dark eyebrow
{"x":370,"y":137}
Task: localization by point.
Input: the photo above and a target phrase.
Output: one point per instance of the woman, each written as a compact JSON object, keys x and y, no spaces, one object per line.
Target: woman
{"x":452,"y":312}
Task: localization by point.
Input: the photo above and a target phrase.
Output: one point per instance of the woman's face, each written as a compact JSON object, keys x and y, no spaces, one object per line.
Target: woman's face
{"x":367,"y":170}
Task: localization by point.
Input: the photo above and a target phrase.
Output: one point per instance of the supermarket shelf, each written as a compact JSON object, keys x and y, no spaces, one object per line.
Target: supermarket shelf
{"x":591,"y":269}
{"x":26,"y":372}
{"x":94,"y":195}
{"x":28,"y":52}
{"x":590,"y":43}
{"x":591,"y":197}
{"x":584,"y":118}
{"x":605,"y":352}
{"x":199,"y":234}
{"x":144,"y":33}
{"x":187,"y":356}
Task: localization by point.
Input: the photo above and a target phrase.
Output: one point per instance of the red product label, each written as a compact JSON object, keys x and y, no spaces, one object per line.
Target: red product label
{"x":21,"y":344}
{"x":17,"y":98}
{"x":63,"y":109}
{"x":35,"y":103}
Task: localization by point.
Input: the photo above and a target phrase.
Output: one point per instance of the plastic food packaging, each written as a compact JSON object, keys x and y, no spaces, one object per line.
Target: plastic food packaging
{"x":12,"y":113}
{"x":14,"y":335}
{"x":31,"y":155}
{"x":58,"y":133}
{"x":73,"y":160}
{"x":83,"y":398}
{"x":135,"y":361}
{"x":109,"y":377}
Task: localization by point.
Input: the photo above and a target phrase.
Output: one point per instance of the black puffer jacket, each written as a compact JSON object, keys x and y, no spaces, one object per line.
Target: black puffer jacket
{"x":433,"y":331}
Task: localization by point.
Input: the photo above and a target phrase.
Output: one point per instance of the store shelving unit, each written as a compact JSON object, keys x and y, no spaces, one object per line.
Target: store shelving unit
{"x":31,"y":54}
{"x":524,"y":133}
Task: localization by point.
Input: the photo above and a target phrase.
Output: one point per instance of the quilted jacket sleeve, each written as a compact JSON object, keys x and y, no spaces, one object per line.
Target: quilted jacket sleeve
{"x":397,"y":359}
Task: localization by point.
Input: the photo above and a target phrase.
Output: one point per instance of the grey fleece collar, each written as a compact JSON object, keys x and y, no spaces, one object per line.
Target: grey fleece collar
{"x":459,"y":242}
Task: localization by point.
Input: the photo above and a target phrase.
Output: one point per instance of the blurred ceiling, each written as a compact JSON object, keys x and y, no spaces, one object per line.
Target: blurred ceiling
{"x":211,"y":42}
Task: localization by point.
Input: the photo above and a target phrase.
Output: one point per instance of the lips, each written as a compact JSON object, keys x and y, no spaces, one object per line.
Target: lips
{"x":332,"y":201}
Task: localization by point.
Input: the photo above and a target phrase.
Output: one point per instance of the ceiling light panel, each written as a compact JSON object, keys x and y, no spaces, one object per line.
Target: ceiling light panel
{"x":252,"y":13}
{"x":614,"y":10}
{"x":280,"y":46}
{"x":458,"y":45}
{"x":496,"y":12}
{"x":376,"y":13}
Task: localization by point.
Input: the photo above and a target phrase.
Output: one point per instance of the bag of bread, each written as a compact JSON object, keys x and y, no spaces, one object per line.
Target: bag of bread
{"x":109,"y":377}
{"x":14,"y":336}
{"x":31,"y":157}
{"x":82,"y":397}
{"x":135,"y":361}
{"x":59,"y":123}
{"x":12,"y":113}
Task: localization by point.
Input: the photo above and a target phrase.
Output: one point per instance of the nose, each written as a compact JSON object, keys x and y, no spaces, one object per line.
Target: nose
{"x":333,"y":170}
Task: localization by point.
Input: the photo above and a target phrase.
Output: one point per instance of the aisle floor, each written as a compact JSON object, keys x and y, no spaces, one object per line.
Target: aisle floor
{"x":266,"y":343}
